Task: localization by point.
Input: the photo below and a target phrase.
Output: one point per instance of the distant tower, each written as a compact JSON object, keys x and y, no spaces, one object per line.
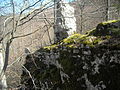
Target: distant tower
{"x":59,"y":31}
{"x":64,"y":19}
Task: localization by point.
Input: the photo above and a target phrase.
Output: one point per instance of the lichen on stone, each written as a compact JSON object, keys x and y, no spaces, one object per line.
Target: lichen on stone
{"x":73,"y":38}
{"x":110,"y":21}
{"x":50,"y":46}
{"x":84,"y":62}
{"x":103,"y":31}
{"x":111,"y":28}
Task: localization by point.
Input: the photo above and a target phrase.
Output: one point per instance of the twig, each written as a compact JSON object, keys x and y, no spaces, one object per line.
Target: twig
{"x":40,"y":10}
{"x":30,"y":75}
{"x":26,"y":34}
{"x":18,"y":59}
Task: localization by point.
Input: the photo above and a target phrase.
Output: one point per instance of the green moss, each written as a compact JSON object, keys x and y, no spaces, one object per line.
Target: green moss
{"x":88,"y":40}
{"x":97,"y":41}
{"x":50,"y":47}
{"x":77,"y":38}
{"x":73,"y":61}
{"x":110,"y":21}
{"x":110,"y":28}
{"x":73,"y":38}
{"x":92,"y":37}
{"x":81,"y":39}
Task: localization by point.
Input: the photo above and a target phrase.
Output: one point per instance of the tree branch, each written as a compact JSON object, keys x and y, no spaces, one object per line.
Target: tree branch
{"x":44,"y":7}
{"x":30,"y":76}
{"x":26,"y":34}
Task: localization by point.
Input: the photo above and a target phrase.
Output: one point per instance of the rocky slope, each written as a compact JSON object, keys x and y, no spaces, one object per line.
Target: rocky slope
{"x":79,"y":62}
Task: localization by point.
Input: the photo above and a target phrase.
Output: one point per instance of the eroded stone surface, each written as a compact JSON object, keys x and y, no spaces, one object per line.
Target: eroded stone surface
{"x":79,"y":62}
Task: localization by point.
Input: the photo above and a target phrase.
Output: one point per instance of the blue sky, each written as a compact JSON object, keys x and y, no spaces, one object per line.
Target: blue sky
{"x":18,"y":3}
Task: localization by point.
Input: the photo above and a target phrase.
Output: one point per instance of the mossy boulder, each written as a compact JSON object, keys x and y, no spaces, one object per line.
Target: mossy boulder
{"x":111,"y":28}
{"x":79,"y":62}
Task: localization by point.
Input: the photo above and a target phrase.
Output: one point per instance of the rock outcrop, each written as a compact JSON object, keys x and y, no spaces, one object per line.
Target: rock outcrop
{"x":79,"y":62}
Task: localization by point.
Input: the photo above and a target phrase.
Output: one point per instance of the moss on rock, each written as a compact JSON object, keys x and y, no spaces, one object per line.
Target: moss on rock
{"x":79,"y":62}
{"x":103,"y":31}
{"x":50,"y":47}
{"x":109,"y":22}
{"x":111,"y":28}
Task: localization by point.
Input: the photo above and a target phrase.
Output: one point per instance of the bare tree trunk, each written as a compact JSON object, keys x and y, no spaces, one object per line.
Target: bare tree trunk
{"x":118,"y":9}
{"x":3,"y":83}
{"x":107,"y":10}
{"x":4,"y":61}
{"x":9,"y":36}
{"x":81,"y":7}
{"x":7,"y":49}
{"x":81,"y":21}
{"x":57,"y":20}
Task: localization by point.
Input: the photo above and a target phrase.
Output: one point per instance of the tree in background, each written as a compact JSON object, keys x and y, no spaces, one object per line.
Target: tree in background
{"x":18,"y":15}
{"x":18,"y":18}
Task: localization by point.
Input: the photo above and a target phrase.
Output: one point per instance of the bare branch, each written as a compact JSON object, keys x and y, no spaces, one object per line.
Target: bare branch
{"x":30,"y":76}
{"x":41,"y":9}
{"x":18,"y":59}
{"x":26,"y":34}
{"x":48,"y":28}
{"x":30,"y":6}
